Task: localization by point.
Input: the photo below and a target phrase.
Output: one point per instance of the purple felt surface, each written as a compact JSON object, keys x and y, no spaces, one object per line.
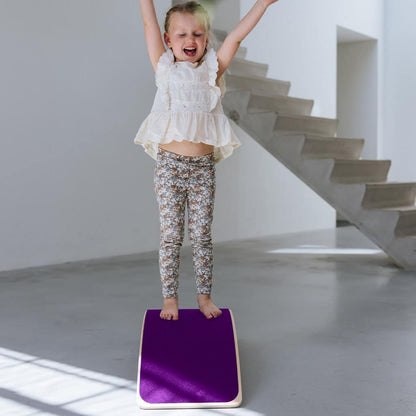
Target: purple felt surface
{"x":191,"y":360}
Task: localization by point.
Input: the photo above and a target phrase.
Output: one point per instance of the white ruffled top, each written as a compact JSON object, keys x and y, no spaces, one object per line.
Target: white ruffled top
{"x":187,"y":106}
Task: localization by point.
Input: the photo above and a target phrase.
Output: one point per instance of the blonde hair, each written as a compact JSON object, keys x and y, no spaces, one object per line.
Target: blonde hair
{"x":191,"y":7}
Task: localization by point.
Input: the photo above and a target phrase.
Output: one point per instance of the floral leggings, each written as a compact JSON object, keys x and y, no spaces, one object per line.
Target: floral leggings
{"x":181,"y":181}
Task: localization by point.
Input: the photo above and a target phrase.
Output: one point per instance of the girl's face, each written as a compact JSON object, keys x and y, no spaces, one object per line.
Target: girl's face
{"x":187,"y":36}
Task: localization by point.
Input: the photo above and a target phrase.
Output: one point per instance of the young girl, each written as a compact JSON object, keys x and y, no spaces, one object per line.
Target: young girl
{"x":187,"y":133}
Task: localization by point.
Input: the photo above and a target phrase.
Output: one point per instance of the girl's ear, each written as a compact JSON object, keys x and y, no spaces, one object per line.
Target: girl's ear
{"x":167,"y":39}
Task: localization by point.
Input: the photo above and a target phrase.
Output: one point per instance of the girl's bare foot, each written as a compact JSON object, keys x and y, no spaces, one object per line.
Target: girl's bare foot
{"x":170,"y":309}
{"x":207,"y":307}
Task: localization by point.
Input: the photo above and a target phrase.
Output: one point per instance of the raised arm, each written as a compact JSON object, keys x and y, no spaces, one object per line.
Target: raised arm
{"x":232,"y":42}
{"x":154,"y":41}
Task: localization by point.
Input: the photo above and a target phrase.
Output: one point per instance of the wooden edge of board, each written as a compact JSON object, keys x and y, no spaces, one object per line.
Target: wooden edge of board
{"x":239,"y":398}
{"x":140,"y":401}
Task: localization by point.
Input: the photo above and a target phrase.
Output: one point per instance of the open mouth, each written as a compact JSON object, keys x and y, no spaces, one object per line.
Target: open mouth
{"x":190,"y":52}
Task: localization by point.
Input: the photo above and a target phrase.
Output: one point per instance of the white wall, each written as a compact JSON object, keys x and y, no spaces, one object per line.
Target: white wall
{"x":357,"y":93}
{"x":399,"y":98}
{"x":256,"y":195}
{"x":76,"y":84}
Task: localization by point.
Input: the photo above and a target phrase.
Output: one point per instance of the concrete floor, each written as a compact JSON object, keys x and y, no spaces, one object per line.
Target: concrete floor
{"x":322,"y":331}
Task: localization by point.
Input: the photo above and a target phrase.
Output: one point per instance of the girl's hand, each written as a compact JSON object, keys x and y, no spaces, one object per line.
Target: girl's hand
{"x":267,"y":3}
{"x":232,"y":42}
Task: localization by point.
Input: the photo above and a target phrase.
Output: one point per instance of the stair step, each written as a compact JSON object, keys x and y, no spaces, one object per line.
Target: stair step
{"x":257,"y":85}
{"x":235,"y":103}
{"x":280,"y":103}
{"x":292,"y":123}
{"x":389,"y":195}
{"x":218,"y":39}
{"x":406,"y":225}
{"x":243,"y":67}
{"x":318,"y":147}
{"x":360,"y":171}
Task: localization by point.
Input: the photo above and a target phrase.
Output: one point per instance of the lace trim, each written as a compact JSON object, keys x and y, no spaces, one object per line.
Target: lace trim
{"x":212,"y":63}
{"x":162,"y":75}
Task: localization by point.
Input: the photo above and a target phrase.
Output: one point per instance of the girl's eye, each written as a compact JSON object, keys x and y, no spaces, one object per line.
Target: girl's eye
{"x":198,"y":34}
{"x":182,"y":35}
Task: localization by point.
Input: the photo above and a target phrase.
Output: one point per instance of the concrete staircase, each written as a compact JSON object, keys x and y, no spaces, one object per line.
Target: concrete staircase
{"x":358,"y":189}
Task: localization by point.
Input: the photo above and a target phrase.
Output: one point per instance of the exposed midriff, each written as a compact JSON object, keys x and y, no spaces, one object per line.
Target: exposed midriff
{"x":187,"y":148}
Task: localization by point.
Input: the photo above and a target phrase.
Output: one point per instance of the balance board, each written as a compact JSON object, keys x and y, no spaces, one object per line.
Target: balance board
{"x":189,"y":363}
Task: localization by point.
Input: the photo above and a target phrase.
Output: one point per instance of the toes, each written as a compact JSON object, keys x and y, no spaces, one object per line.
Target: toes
{"x":169,"y":316}
{"x":209,"y":315}
{"x":216,"y":313}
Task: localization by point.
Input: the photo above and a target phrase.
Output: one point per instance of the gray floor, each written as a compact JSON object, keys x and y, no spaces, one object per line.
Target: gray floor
{"x":320,"y":332}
